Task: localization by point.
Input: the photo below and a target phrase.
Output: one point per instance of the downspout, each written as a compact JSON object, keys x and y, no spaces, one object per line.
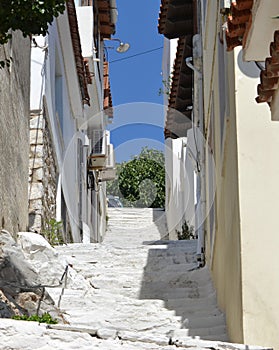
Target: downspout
{"x":195,"y":63}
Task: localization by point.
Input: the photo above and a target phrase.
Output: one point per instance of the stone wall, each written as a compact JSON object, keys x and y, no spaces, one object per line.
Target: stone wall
{"x":42,"y":174}
{"x":14,"y":134}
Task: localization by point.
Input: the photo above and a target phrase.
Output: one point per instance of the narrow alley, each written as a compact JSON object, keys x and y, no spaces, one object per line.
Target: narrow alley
{"x":136,"y":290}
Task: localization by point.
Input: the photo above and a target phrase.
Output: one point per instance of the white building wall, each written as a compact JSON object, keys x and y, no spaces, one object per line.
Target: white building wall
{"x":86,"y":23}
{"x":95,"y":118}
{"x":258,"y":162}
{"x":55,"y":81}
{"x":189,"y":179}
{"x":180,"y":189}
{"x":175,"y":186}
{"x":53,"y":59}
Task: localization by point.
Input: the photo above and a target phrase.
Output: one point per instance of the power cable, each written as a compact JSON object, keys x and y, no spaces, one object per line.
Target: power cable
{"x":137,"y":54}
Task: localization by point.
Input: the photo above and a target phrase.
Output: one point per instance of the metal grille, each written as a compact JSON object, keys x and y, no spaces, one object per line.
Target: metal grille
{"x":98,"y":142}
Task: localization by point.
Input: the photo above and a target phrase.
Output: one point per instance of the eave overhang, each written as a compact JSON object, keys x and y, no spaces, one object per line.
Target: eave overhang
{"x":179,"y":113}
{"x":270,"y":74}
{"x":80,"y":64}
{"x":107,"y":90}
{"x":238,"y":23}
{"x":107,"y":12}
{"x":251,"y":23}
{"x":177,"y":20}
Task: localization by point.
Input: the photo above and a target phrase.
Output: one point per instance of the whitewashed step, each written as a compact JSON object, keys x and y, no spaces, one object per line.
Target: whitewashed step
{"x":190,"y":304}
{"x":214,"y":331}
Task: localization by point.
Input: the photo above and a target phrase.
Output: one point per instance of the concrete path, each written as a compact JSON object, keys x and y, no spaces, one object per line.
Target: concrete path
{"x":136,"y":290}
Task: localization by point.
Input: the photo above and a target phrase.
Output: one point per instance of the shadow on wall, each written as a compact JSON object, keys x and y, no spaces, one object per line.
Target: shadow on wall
{"x":159,"y":219}
{"x":170,"y":275}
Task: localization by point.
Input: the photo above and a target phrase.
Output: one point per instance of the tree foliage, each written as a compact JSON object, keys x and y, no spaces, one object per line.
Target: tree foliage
{"x":141,"y":181}
{"x":29,"y":16}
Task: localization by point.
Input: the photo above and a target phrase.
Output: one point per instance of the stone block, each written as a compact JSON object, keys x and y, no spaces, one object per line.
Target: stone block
{"x":105,"y":333}
{"x":35,"y":205}
{"x":37,"y":150}
{"x":36,"y":137}
{"x":36,"y":191}
{"x":36,"y":163}
{"x":37,"y":122}
{"x":35,"y":222}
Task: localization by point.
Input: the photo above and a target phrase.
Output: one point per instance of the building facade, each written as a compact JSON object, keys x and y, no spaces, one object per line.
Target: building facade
{"x":14,"y":134}
{"x":234,"y":62}
{"x":68,"y":88}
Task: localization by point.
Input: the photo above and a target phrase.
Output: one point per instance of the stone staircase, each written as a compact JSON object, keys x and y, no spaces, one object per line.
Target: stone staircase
{"x":136,"y":283}
{"x":135,"y":290}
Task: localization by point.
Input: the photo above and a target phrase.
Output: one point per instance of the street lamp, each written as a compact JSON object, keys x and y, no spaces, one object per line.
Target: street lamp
{"x":123,"y":47}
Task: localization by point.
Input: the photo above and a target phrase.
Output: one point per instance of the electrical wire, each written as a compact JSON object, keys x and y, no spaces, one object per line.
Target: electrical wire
{"x":137,"y":54}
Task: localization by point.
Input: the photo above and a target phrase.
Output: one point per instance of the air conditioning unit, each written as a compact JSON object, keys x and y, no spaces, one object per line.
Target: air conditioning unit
{"x":110,"y":163}
{"x":98,"y":154}
{"x":107,"y":174}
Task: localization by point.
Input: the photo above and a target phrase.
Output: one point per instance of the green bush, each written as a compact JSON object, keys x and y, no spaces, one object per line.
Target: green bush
{"x":187,"y":232}
{"x":45,"y":318}
{"x":141,"y":181}
{"x":53,"y":232}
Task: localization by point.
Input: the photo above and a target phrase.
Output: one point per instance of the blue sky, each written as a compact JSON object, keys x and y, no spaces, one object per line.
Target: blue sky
{"x":136,"y":79}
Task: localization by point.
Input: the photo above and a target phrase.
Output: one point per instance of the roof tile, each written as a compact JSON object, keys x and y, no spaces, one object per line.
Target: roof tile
{"x":239,"y":23}
{"x":80,"y":65}
{"x":270,"y":75}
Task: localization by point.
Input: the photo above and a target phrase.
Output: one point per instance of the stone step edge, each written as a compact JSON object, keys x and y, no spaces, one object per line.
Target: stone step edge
{"x":187,"y":342}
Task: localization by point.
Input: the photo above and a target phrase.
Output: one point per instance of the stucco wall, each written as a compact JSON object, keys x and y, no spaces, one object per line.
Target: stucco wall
{"x":14,"y":135}
{"x":226,"y":259}
{"x":180,"y":205}
{"x":223,"y":245}
{"x":174,"y":209}
{"x":223,"y":240}
{"x":258,"y":163}
{"x":243,"y":251}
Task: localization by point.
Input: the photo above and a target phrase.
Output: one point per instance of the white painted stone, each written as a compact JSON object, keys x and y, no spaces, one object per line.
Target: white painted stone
{"x":36,"y":137}
{"x":133,"y":291}
{"x":19,"y":335}
{"x":20,"y":266}
{"x":35,"y":221}
{"x":106,"y":333}
{"x":144,"y":338}
{"x":37,"y":151}
{"x":36,"y":163}
{"x":35,"y":205}
{"x":37,"y":122}
{"x":33,"y":243}
{"x":36,"y":191}
{"x":37,"y":175}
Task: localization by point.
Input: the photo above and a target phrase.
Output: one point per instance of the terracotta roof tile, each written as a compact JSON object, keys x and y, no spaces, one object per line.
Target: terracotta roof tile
{"x":180,"y":99}
{"x":175,"y":18}
{"x":107,"y":27}
{"x":107,"y":91}
{"x":270,"y":75}
{"x":80,"y":65}
{"x":238,"y":23}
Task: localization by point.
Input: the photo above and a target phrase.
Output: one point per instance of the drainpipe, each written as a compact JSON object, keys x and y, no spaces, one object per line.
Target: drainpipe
{"x":195,"y":63}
